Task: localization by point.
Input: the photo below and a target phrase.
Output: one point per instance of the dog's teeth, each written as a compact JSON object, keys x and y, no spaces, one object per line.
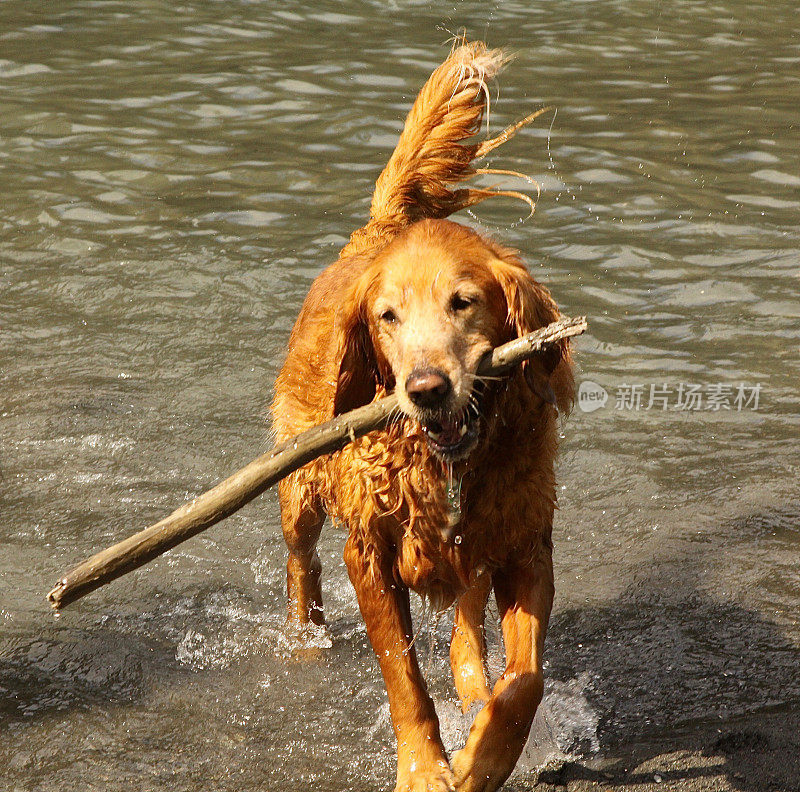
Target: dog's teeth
{"x":463,"y":430}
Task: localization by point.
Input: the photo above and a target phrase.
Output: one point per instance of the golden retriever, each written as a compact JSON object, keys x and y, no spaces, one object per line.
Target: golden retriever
{"x":455,"y":498}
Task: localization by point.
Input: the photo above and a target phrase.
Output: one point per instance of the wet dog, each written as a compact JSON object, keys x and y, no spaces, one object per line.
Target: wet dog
{"x":455,"y":497}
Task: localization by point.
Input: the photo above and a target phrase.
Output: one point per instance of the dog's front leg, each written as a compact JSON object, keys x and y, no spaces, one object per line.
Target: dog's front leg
{"x":497,"y":737}
{"x":421,"y":762}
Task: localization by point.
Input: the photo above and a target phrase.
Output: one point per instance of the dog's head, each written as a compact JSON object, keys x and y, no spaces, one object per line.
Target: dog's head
{"x":421,"y":317}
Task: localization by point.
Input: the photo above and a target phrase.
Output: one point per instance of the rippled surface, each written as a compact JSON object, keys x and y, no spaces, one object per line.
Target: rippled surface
{"x":173,"y":177}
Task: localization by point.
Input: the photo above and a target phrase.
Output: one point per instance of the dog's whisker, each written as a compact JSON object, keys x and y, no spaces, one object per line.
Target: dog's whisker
{"x":396,"y":416}
{"x":486,"y":378}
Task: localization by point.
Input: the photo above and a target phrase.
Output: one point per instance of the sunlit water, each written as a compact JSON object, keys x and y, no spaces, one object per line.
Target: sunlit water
{"x":173,"y":177}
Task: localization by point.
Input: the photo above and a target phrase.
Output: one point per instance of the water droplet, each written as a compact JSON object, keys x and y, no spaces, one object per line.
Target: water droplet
{"x":453,"y":494}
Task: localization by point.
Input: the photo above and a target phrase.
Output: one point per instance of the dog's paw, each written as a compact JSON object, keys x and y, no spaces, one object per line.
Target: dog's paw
{"x":436,"y":779}
{"x":305,"y":641}
{"x":475,"y":771}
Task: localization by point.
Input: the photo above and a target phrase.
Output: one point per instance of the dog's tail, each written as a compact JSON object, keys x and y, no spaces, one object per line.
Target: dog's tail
{"x":431,"y":155}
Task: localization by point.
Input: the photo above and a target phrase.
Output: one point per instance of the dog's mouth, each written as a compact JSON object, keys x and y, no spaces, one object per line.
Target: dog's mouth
{"x":453,"y":435}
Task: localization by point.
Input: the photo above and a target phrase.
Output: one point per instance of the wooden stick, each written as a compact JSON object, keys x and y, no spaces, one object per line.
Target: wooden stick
{"x":249,"y":482}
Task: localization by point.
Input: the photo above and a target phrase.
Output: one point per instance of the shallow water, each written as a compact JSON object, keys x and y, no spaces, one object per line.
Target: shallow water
{"x":173,"y":177}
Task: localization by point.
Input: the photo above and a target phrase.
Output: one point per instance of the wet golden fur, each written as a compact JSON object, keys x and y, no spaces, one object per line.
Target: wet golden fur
{"x":388,"y":489}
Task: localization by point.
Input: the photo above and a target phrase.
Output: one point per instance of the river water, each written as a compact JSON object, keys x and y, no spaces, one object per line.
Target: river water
{"x":174,"y":176}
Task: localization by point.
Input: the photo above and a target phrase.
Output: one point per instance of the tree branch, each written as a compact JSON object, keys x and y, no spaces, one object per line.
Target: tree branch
{"x":249,"y":482}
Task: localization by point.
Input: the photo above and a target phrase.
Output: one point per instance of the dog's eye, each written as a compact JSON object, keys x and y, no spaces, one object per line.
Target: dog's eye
{"x":460,"y":302}
{"x":389,"y":316}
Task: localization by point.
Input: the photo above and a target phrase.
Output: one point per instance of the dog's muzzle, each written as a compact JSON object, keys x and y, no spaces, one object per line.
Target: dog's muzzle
{"x":451,"y":434}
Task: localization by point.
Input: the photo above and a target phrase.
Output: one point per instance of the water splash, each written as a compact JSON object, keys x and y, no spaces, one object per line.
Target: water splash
{"x":301,"y":639}
{"x":434,"y":618}
{"x":200,"y":651}
{"x":565,"y":727}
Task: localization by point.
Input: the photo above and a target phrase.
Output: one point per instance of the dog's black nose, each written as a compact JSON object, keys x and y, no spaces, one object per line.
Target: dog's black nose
{"x":428,"y":387}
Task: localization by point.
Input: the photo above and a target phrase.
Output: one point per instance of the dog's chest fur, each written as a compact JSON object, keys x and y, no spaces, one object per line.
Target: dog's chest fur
{"x":391,"y":490}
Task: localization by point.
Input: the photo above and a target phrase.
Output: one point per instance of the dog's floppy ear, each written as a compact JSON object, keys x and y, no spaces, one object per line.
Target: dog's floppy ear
{"x":358,"y":369}
{"x":529,"y":306}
